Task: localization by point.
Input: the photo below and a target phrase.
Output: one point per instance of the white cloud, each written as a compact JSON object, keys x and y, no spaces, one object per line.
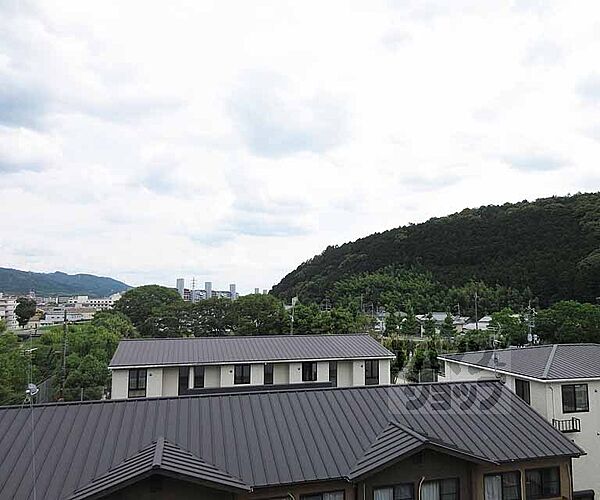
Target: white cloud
{"x":148,"y":141}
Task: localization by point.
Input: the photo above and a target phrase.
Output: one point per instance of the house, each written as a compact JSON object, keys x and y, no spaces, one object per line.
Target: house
{"x":171,"y":367}
{"x":482,"y":324}
{"x":458,"y":441}
{"x":438,"y":318}
{"x":560,"y":381}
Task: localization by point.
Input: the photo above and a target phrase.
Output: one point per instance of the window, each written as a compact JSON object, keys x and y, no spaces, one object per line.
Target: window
{"x":331,"y":495}
{"x":333,"y":373}
{"x":404,"y":491}
{"x":241,"y":374}
{"x":137,"y":383}
{"x":371,"y":372}
{"x":269,"y":374}
{"x":441,"y":368}
{"x":504,"y":486}
{"x":542,"y":483}
{"x":522,"y":390}
{"x":198,"y":377}
{"x":444,"y":489}
{"x":575,"y":398}
{"x":184,"y":379}
{"x":309,"y":371}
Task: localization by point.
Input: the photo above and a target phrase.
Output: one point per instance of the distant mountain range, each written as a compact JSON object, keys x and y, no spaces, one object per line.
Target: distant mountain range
{"x":550,"y":246}
{"x":13,"y":281}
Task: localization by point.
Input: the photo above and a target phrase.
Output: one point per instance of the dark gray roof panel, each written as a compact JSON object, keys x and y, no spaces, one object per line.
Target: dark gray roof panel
{"x":546,"y":362}
{"x":237,"y":349}
{"x":286,"y":437}
{"x":160,"y":456}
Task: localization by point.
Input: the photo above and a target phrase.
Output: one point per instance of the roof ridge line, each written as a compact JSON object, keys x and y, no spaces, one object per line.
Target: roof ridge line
{"x":410,"y":431}
{"x":158,"y":453}
{"x":225,"y":337}
{"x":549,"y":361}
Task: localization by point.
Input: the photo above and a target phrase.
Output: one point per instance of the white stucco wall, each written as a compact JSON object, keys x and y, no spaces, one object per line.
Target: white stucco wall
{"x":154,"y":382}
{"x":384,"y":371}
{"x":257,"y":374}
{"x":120,"y":383}
{"x":281,"y":373}
{"x":295,"y":371}
{"x":358,"y":372}
{"x":226,"y":375}
{"x":344,"y":373}
{"x":212,"y":376}
{"x":323,"y":371}
{"x":586,"y":469}
{"x":170,"y":382}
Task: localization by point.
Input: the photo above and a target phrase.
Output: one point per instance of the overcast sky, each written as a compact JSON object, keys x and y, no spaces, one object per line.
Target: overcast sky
{"x":232,"y":140}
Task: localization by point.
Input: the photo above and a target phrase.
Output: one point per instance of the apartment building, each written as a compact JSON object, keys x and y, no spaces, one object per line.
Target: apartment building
{"x":560,"y":381}
{"x":7,"y":311}
{"x":170,"y":367}
{"x":352,"y":443}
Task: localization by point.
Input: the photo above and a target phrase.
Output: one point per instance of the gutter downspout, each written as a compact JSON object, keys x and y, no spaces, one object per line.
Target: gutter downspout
{"x":420,"y":486}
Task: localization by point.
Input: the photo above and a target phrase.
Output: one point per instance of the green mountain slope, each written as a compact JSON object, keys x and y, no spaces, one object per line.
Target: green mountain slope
{"x":13,"y":281}
{"x":551,"y":246}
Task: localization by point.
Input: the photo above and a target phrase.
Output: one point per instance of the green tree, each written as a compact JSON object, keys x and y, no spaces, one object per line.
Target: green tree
{"x":259,"y":314}
{"x":410,"y":326}
{"x":13,"y":369}
{"x":116,"y":322}
{"x":25,"y":310}
{"x":139,"y":303}
{"x":569,"y":321}
{"x":400,"y":359}
{"x":447,"y":329}
{"x":429,"y":328}
{"x":511,"y":327}
{"x":391,"y":324}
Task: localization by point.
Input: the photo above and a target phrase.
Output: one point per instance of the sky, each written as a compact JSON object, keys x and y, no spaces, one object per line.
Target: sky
{"x":232,"y":140}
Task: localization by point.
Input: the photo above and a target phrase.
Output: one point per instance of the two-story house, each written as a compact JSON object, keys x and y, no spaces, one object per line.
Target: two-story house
{"x":180,"y":366}
{"x":458,"y":441}
{"x":561,"y":381}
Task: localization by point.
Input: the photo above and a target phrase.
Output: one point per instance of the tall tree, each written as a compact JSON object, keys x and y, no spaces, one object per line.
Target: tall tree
{"x":25,"y":310}
{"x":259,"y":314}
{"x":447,"y":329}
{"x":569,"y":321}
{"x":139,"y":303}
{"x":410,"y":326}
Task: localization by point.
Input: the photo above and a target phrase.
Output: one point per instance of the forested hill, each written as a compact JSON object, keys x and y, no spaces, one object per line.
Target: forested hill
{"x":13,"y":281}
{"x":550,"y":246}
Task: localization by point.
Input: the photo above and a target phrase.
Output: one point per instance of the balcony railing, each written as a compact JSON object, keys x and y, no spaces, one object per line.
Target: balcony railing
{"x":572,"y":424}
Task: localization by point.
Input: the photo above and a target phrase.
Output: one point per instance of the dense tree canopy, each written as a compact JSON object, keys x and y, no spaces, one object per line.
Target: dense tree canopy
{"x":25,"y":310}
{"x":549,"y":249}
{"x":569,"y":321}
{"x":139,"y":303}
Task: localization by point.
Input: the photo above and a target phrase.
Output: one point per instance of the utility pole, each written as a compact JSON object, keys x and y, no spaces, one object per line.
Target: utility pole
{"x":476,"y":313}
{"x":294,"y":300}
{"x":64,"y":358}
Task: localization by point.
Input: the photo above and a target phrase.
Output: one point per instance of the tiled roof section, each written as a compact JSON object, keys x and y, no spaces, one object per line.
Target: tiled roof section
{"x":396,"y":442}
{"x":237,"y":349}
{"x":267,"y":438}
{"x":545,"y":362}
{"x":160,"y":456}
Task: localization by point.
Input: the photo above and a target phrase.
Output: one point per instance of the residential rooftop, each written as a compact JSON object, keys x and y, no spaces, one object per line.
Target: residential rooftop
{"x":263,"y":439}
{"x":544,"y":362}
{"x":245,"y":349}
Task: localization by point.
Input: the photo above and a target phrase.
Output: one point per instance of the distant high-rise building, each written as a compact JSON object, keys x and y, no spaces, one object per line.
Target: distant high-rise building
{"x":208,"y":289}
{"x":265,"y":291}
{"x":232,"y":292}
{"x":181,"y":286}
{"x":256,"y":291}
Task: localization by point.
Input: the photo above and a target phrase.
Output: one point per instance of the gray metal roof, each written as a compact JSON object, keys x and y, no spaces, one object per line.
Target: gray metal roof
{"x":160,"y":457}
{"x":545,"y":362}
{"x":230,"y":349}
{"x":267,"y":438}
